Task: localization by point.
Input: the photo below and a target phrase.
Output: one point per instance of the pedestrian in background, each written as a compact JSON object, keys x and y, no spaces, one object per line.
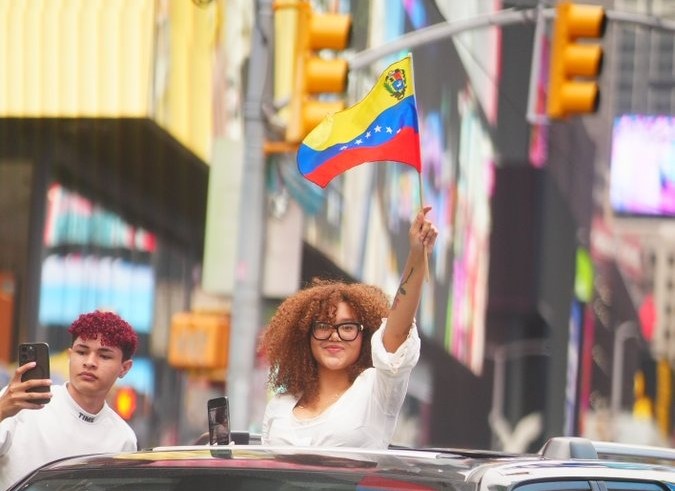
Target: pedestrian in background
{"x":77,"y":419}
{"x":340,"y":357}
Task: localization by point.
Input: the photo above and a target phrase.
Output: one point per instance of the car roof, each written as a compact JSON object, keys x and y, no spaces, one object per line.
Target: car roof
{"x":398,"y":468}
{"x":409,"y":466}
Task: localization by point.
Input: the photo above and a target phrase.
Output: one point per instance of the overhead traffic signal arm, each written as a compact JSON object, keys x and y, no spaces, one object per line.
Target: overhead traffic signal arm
{"x":315,"y":75}
{"x":575,"y":65}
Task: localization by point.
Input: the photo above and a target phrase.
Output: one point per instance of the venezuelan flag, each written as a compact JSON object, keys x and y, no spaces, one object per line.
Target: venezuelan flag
{"x":382,"y":126}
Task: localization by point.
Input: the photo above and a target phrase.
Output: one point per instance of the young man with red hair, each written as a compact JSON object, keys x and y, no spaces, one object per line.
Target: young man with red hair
{"x":76,"y":419}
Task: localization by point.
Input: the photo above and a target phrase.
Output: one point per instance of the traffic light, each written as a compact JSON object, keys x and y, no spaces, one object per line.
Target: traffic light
{"x":575,"y":63}
{"x":315,"y":76}
{"x":125,"y":402}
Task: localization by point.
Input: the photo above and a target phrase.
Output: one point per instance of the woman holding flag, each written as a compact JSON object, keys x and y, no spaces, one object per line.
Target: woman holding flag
{"x":341,"y":357}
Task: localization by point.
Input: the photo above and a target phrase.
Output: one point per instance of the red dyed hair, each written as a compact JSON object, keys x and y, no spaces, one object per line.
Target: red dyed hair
{"x":113,"y":330}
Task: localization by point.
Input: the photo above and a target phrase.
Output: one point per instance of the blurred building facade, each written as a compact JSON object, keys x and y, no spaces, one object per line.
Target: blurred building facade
{"x":121,"y":155}
{"x":104,"y":177}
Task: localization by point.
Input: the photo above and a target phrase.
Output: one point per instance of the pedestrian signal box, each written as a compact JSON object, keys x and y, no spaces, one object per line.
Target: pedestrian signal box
{"x":576,"y":63}
{"x":199,"y":340}
{"x":125,"y":402}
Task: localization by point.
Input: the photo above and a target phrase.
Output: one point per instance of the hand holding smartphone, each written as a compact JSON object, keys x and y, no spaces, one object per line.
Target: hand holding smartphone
{"x":39,"y":353}
{"x":219,"y":421}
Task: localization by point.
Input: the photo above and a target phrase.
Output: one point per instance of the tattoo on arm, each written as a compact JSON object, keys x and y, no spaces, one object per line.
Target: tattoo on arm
{"x":401,"y":289}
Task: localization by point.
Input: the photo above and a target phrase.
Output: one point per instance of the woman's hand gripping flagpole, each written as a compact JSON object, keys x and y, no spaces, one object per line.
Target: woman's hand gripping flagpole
{"x":421,"y":238}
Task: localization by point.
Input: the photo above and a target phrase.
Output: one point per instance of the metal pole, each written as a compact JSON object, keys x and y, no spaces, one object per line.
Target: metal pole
{"x":532,"y":116}
{"x":443,"y":30}
{"x":246,"y":301}
{"x":504,"y":17}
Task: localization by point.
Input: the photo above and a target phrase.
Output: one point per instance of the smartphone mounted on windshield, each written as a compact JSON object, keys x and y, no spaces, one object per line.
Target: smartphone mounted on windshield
{"x":219,"y":421}
{"x":39,"y":353}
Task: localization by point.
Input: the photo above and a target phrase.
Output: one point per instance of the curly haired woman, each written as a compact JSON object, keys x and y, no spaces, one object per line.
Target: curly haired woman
{"x":341,"y":357}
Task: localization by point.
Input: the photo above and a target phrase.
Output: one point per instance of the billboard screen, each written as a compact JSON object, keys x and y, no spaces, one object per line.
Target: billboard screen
{"x":642,"y":166}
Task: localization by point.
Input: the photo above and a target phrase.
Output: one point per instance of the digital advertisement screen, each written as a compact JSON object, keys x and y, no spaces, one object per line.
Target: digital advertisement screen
{"x":642,"y":167}
{"x":93,"y":259}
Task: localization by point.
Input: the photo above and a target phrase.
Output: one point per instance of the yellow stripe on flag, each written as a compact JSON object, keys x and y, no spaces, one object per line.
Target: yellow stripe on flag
{"x":346,"y":125}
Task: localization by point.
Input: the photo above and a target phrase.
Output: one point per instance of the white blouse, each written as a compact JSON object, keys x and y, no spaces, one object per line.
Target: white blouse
{"x":364,"y":416}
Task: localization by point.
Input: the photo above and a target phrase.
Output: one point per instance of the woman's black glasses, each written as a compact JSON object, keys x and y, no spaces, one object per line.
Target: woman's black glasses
{"x":347,"y":331}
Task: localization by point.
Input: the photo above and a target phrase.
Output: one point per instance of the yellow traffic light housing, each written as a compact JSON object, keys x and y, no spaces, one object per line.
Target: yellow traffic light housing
{"x":314,"y":75}
{"x":574,"y":64}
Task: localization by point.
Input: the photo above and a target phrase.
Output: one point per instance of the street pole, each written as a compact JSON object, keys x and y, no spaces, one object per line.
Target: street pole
{"x":532,"y":116}
{"x":246,"y":299}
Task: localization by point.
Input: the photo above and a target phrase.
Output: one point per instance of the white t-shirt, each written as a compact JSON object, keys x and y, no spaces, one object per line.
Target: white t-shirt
{"x":60,"y":429}
{"x":364,"y":416}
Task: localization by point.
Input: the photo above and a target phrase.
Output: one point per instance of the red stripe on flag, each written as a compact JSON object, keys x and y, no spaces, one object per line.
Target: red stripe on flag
{"x":403,"y":148}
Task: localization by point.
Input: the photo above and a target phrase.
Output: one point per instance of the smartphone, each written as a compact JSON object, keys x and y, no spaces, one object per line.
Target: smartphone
{"x":219,"y":421}
{"x":39,"y":353}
